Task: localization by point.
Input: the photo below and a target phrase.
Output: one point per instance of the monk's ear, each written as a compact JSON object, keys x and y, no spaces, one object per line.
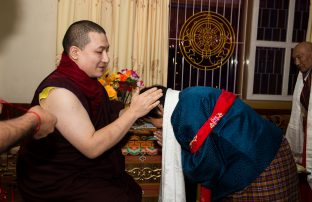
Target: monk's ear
{"x":73,"y":52}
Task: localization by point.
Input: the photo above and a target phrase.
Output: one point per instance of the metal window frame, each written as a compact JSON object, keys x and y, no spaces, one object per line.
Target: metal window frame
{"x":254,"y":43}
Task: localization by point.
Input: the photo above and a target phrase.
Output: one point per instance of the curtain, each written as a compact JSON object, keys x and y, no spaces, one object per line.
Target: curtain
{"x":151,"y":41}
{"x":137,"y":31}
{"x":309,"y":31}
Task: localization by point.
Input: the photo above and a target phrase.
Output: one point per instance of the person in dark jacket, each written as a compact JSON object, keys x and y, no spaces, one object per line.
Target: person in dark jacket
{"x":226,"y":147}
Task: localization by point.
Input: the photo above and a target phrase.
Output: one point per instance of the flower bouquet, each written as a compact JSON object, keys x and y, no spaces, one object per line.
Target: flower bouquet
{"x":119,"y":85}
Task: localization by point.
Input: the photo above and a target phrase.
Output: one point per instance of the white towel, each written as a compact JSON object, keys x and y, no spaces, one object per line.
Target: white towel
{"x":172,"y":187}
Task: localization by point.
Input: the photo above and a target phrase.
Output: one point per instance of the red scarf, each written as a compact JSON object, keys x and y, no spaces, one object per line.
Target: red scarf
{"x":224,"y":102}
{"x":91,"y":87}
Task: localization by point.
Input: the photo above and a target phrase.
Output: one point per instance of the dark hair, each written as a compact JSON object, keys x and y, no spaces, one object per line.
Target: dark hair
{"x":155,"y":112}
{"x":77,"y":34}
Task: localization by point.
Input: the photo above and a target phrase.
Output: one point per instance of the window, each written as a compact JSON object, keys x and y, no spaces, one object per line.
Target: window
{"x":181,"y":74}
{"x":277,"y":26}
{"x":269,"y":72}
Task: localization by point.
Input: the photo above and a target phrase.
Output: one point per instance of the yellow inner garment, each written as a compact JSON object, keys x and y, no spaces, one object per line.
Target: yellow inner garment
{"x":45,"y":92}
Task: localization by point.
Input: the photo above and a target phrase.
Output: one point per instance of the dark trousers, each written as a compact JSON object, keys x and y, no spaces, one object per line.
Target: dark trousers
{"x":190,"y":190}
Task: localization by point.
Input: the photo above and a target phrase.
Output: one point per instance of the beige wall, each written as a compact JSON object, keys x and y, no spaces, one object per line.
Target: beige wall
{"x":27,"y":46}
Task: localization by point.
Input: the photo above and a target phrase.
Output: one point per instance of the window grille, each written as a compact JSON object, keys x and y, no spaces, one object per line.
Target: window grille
{"x":181,"y":74}
{"x":276,"y":27}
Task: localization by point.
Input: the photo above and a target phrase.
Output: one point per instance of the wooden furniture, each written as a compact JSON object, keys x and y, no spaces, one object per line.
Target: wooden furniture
{"x":143,"y":159}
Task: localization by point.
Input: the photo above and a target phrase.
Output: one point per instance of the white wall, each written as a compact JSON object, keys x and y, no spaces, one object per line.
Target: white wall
{"x":27,"y":46}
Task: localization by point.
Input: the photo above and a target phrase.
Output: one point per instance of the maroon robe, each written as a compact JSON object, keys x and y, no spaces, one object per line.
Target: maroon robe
{"x":51,"y":169}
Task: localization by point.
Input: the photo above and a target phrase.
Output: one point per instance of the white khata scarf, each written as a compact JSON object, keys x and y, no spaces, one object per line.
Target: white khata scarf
{"x":295,"y":134}
{"x":172,"y":187}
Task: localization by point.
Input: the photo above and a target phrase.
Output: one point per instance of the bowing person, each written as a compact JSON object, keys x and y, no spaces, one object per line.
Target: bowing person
{"x":214,"y":139}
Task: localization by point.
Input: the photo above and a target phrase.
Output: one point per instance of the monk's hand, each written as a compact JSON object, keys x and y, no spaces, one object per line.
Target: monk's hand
{"x":141,"y":104}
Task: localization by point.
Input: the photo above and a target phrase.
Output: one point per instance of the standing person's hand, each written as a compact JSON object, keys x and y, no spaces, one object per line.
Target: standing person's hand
{"x":46,"y":122}
{"x":158,"y":136}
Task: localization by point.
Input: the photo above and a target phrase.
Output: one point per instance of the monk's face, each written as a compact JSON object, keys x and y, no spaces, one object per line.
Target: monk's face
{"x":93,"y":58}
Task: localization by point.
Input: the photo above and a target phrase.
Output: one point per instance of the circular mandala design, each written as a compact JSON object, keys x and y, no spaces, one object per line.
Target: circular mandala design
{"x":206,"y":40}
